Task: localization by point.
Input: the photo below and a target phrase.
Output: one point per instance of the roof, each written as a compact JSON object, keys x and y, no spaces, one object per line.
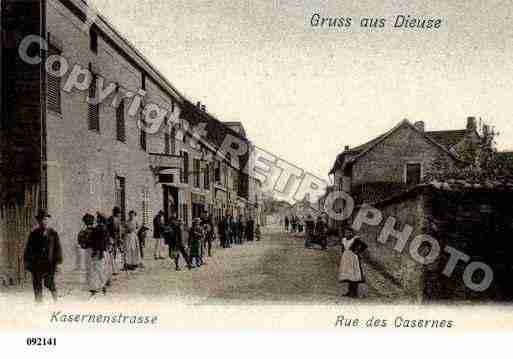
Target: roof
{"x":447,"y":139}
{"x":216,"y":131}
{"x":443,"y":139}
{"x":506,"y":156}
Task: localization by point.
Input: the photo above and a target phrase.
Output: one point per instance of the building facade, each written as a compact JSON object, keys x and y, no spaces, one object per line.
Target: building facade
{"x":401,"y":158}
{"x":88,"y":153}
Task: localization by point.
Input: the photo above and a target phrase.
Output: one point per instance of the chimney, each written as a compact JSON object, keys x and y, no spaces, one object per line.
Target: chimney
{"x":203,"y":108}
{"x":346,"y":148}
{"x":420,"y":125}
{"x":198,"y":104}
{"x":471,"y":123}
{"x":486,"y":131}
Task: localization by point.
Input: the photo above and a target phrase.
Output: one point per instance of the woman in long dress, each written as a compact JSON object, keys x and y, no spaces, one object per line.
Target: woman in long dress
{"x":97,"y":274}
{"x":132,"y":251}
{"x":350,"y":270}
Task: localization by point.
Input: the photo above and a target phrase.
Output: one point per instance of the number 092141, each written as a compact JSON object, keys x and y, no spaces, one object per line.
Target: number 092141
{"x":38,"y":341}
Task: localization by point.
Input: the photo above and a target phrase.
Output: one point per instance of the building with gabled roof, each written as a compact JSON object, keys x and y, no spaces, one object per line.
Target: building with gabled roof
{"x":400,"y":158}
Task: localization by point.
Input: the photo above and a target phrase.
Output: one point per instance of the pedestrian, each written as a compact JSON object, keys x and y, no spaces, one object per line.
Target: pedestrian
{"x":251,"y":229}
{"x":175,"y":234}
{"x":321,"y":232}
{"x":42,"y":256}
{"x":97,"y":275}
{"x":195,"y":239}
{"x":286,"y":224}
{"x":350,"y":270}
{"x":114,"y":228}
{"x":208,"y":229}
{"x":258,"y":233}
{"x":228,"y":230}
{"x":237,"y":225}
{"x":242,"y":228}
{"x":222,"y":231}
{"x":158,"y":222}
{"x":132,"y":252}
{"x":142,"y":234}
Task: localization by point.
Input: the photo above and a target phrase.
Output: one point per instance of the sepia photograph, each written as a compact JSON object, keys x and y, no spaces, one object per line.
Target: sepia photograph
{"x":318,"y":165}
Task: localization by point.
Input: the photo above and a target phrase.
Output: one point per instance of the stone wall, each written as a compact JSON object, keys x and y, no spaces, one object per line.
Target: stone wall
{"x":478,"y":223}
{"x":398,"y":269}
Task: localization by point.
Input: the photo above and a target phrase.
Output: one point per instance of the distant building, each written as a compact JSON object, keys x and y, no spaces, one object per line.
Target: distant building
{"x":400,"y":158}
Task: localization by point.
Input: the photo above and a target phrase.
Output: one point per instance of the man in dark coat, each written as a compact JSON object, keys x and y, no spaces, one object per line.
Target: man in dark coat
{"x":250,"y":228}
{"x":158,"y":222}
{"x":115,"y":245}
{"x":173,"y":235}
{"x":43,"y":255}
{"x":222,"y":231}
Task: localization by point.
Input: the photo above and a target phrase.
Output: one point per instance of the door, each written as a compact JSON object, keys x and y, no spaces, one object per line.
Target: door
{"x":170,"y":201}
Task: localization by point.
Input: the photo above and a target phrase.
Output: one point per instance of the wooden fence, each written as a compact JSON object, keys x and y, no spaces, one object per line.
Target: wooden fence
{"x":16,"y":222}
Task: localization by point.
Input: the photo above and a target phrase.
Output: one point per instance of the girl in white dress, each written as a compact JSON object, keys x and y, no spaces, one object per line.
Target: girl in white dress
{"x":350,"y":270}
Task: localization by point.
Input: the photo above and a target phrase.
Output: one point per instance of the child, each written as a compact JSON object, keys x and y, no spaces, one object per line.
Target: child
{"x":257,"y":232}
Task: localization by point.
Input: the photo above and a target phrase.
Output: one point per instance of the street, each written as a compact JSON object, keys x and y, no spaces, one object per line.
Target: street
{"x":277,"y":269}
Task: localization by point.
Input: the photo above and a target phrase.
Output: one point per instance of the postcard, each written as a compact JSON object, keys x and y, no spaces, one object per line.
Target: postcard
{"x":341,"y":166}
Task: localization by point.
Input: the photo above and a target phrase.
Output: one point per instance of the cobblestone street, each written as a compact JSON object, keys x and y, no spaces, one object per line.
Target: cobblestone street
{"x":278,"y":269}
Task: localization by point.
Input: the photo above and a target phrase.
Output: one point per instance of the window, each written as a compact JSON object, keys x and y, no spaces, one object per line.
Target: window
{"x":53,"y":85}
{"x":167,"y":140}
{"x":196,"y":168}
{"x":206,"y":177}
{"x":173,"y":141}
{"x":142,"y":133}
{"x":217,"y":172}
{"x":185,"y":169}
{"x":93,"y":107}
{"x":120,"y":122}
{"x":93,"y":41}
{"x":413,"y":173}
{"x":226,"y":174}
{"x":120,"y":195}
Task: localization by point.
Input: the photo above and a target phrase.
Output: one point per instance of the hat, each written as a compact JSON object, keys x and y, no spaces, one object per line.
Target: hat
{"x":88,"y":219}
{"x":101,"y":218}
{"x":42,"y":213}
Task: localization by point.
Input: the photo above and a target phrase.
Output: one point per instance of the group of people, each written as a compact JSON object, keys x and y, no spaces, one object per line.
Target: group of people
{"x":295,"y":224}
{"x":237,"y":230}
{"x":112,"y":245}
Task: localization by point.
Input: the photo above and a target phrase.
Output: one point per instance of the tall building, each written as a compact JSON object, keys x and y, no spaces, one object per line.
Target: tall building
{"x":88,"y":153}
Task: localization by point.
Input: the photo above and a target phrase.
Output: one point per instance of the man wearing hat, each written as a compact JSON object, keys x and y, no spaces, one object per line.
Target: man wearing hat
{"x":43,"y":253}
{"x":158,"y":223}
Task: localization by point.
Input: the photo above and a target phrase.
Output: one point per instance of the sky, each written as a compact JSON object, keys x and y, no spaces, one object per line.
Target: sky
{"x":303,"y":92}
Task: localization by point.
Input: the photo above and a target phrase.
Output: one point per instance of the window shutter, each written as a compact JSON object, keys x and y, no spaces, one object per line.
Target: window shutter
{"x":142,"y":133}
{"x":93,"y":109}
{"x":120,"y":122}
{"x":53,"y":86}
{"x":167,"y":141}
